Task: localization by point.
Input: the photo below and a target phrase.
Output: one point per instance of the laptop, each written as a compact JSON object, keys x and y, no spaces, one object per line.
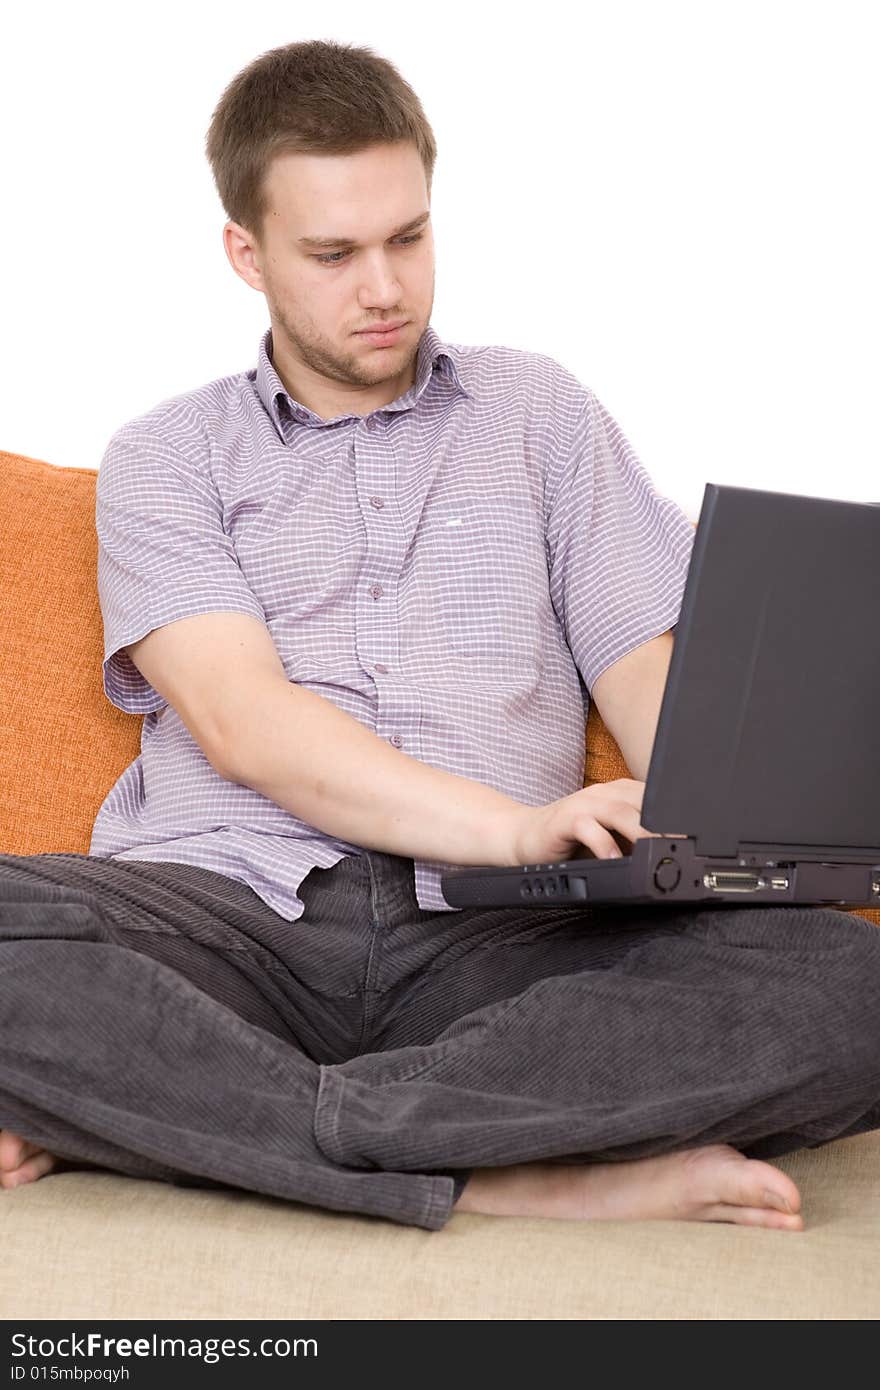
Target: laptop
{"x":764,"y":779}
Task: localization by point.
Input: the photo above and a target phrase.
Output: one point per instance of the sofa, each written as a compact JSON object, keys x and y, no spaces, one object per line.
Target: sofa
{"x":81,"y":1243}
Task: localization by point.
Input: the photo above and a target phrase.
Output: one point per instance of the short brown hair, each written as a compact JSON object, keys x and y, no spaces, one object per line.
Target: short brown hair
{"x":307,"y":98}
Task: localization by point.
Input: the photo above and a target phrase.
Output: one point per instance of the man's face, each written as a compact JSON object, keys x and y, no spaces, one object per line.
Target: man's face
{"x":320,"y":298}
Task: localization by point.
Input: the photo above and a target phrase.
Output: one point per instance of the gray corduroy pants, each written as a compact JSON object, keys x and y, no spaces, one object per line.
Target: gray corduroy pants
{"x":160,"y":1020}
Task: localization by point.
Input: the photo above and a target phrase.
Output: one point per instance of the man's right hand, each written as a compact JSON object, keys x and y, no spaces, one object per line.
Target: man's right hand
{"x":585,"y":820}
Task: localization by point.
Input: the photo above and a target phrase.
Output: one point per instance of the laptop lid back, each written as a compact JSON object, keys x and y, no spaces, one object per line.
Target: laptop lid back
{"x":769,"y":731}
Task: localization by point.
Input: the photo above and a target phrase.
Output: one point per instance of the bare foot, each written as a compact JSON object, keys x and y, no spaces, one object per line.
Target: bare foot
{"x":714,"y":1183}
{"x":21,"y":1161}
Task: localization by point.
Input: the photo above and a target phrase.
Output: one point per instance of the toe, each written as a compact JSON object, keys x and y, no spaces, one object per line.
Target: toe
{"x":13,"y":1149}
{"x":721,"y":1174}
{"x":769,"y":1186}
{"x":21,"y":1160}
{"x":749,"y":1182}
{"x":754,"y":1216}
{"x":35,"y":1166}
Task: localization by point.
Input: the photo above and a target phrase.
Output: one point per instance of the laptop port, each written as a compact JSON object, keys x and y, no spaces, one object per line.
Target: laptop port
{"x":734,"y":880}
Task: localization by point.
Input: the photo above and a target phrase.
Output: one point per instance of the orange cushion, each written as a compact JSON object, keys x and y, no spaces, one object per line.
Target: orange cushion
{"x":62,"y":743}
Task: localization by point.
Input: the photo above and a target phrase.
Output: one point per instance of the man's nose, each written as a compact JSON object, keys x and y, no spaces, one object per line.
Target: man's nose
{"x":379,"y":276}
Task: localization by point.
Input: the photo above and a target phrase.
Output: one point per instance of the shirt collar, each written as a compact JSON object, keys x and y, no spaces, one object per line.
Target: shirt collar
{"x":433,"y":355}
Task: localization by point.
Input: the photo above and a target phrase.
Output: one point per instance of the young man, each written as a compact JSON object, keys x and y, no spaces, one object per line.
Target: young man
{"x":355,"y":593}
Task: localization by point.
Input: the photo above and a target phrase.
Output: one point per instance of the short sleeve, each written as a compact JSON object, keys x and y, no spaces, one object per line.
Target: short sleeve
{"x":162,"y":555}
{"x":618,"y":551}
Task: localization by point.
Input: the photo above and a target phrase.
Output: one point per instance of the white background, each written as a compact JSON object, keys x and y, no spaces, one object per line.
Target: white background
{"x":678,"y":201}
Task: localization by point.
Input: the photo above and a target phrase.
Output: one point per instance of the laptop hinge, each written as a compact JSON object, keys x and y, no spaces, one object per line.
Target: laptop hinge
{"x":859,"y":853}
{"x":719,"y":846}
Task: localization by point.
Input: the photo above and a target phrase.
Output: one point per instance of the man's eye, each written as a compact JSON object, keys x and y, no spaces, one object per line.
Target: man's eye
{"x":330,"y":257}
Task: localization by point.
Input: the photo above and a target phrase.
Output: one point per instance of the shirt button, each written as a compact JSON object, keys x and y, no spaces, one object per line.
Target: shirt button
{"x":376,"y":590}
{"x":382,"y":669}
{"x":378,"y":503}
{"x":372,"y":422}
{"x":396,"y":740}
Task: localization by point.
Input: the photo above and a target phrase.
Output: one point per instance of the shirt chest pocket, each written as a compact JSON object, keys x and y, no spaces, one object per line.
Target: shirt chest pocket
{"x":483,"y":589}
{"x":305,"y":565}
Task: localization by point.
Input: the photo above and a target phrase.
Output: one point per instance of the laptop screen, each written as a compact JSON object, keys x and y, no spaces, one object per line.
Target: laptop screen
{"x":769,"y":730}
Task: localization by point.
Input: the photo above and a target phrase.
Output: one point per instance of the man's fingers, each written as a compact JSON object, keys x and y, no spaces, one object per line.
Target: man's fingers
{"x":628,"y":821}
